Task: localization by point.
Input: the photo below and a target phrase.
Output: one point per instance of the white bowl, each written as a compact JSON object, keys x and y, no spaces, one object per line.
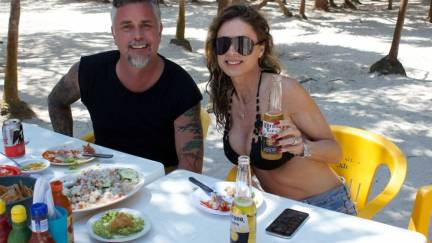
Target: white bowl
{"x":117,"y":238}
{"x":25,"y":163}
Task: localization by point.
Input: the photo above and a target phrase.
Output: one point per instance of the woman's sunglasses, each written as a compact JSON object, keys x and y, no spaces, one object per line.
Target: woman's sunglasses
{"x":242,"y":44}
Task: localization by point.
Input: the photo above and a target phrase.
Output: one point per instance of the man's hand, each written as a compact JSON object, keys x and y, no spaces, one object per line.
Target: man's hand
{"x":189,"y":140}
{"x":61,"y":97}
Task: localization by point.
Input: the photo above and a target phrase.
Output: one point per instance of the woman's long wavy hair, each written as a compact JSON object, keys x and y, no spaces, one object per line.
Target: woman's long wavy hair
{"x":219,"y":83}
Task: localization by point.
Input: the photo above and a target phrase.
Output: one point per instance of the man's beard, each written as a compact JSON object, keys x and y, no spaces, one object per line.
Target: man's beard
{"x":137,"y":61}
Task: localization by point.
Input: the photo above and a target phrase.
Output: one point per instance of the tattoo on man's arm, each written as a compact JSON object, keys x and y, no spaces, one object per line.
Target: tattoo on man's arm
{"x":192,"y":151}
{"x":61,"y":97}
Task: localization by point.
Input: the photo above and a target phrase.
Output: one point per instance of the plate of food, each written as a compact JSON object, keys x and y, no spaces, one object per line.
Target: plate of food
{"x":34,"y":166}
{"x":69,"y":154}
{"x":221,"y":204}
{"x":118,"y":225}
{"x":101,"y":186}
{"x":227,"y":190}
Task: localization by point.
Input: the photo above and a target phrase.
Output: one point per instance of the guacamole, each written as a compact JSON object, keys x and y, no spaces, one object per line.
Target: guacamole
{"x":117,"y":223}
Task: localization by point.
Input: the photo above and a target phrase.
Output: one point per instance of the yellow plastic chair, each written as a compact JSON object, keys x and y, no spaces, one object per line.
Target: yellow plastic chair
{"x":363,"y":152}
{"x":422,"y":211}
{"x":205,"y":122}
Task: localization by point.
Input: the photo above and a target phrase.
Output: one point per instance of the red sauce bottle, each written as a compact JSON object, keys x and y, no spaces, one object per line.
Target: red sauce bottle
{"x":39,"y":213}
{"x":61,"y":200}
{"x":5,"y":227}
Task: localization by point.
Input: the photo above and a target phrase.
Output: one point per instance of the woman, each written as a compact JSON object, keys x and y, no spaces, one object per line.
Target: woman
{"x":242,"y":65}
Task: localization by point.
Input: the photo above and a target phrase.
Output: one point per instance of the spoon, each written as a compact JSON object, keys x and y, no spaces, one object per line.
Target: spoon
{"x":15,"y":162}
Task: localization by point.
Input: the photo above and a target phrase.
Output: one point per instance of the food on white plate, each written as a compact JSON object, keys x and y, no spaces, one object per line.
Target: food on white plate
{"x":100,"y":186}
{"x":115,"y":223}
{"x":34,"y":166}
{"x":230,"y":191}
{"x":216,"y":203}
{"x":15,"y":192}
{"x":68,"y":156}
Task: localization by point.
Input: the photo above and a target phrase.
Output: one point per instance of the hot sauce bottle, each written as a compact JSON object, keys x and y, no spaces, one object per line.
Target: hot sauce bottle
{"x":61,"y":200}
{"x":5,"y":227}
{"x":39,"y":213}
{"x":20,"y":233}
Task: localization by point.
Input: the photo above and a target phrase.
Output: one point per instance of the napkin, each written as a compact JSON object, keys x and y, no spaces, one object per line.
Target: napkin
{"x":42,"y":194}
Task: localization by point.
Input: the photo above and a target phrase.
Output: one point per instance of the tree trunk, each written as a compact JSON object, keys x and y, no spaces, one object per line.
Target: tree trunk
{"x":12,"y":104}
{"x":260,"y":4}
{"x":180,"y":31}
{"x":321,"y":5}
{"x":284,"y":9}
{"x":349,"y":4}
{"x":333,"y":4}
{"x":10,"y":94}
{"x":222,"y":4}
{"x":398,"y":30}
{"x":302,"y":9}
{"x":430,"y":12}
{"x":390,"y":64}
{"x":390,"y":5}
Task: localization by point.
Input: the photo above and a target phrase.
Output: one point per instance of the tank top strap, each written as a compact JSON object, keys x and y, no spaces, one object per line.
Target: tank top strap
{"x":258,"y":122}
{"x":228,"y":117}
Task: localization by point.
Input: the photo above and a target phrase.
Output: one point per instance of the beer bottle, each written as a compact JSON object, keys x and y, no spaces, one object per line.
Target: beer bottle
{"x":273,"y":114}
{"x":243,"y":209}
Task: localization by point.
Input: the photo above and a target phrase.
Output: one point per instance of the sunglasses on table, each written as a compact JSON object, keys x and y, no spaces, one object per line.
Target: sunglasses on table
{"x":242,"y":44}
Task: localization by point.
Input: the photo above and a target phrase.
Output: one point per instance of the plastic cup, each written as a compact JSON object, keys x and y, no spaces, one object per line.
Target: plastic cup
{"x":58,"y":227}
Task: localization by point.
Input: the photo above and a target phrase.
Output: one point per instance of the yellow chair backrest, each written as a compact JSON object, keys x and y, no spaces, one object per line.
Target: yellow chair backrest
{"x":362,"y":154}
{"x":422,"y":211}
{"x":205,"y":122}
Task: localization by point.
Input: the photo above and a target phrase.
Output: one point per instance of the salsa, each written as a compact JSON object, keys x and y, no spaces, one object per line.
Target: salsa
{"x":9,"y":170}
{"x":117,"y":223}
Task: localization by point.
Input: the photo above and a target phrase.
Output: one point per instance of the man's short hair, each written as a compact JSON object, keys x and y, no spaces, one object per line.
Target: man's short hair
{"x":118,"y":3}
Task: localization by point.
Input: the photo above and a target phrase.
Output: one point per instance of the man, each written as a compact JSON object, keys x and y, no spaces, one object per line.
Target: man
{"x":139,"y":102}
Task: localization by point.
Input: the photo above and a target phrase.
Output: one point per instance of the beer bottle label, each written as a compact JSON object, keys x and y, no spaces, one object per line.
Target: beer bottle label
{"x":239,"y":228}
{"x":269,"y":129}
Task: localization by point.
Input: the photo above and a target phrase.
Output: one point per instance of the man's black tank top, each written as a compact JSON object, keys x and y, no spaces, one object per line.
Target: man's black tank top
{"x":136,"y":123}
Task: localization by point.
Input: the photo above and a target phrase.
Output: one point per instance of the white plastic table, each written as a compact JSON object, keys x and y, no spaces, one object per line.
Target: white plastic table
{"x":40,"y":139}
{"x":166,"y":203}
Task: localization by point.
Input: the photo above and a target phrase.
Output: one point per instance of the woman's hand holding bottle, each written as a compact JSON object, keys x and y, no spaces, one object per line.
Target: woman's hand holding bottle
{"x":289,"y":138}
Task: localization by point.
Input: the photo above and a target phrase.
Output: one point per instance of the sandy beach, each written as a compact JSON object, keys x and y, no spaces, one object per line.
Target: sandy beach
{"x":330,"y":54}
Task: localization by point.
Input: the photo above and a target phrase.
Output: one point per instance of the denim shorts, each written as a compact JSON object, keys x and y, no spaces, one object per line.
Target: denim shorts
{"x":336,"y":199}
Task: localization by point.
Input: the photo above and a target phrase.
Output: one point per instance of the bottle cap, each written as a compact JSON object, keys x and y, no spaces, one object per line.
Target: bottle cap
{"x":2,"y":206}
{"x":56,"y":186}
{"x":39,"y":210}
{"x":18,"y":214}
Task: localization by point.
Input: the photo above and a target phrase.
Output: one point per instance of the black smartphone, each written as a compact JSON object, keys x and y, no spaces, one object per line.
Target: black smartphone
{"x":287,"y":223}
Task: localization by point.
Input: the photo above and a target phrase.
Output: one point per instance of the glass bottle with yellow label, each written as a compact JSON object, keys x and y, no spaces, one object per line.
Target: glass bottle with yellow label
{"x":272,"y":115}
{"x":243,"y":209}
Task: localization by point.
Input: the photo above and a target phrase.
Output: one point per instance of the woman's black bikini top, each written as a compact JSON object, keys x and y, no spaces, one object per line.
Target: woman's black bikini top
{"x":255,"y":154}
